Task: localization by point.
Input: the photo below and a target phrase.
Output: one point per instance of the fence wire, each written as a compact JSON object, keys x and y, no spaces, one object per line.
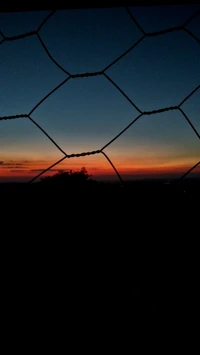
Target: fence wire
{"x":103,"y":73}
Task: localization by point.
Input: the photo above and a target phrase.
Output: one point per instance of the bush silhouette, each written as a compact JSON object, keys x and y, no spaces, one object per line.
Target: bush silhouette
{"x":68,"y":177}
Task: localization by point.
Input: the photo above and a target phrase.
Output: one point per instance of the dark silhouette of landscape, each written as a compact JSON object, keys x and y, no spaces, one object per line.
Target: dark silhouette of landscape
{"x":154,"y":223}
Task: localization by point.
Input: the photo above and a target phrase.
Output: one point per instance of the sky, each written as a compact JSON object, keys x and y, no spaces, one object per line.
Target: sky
{"x":85,"y":114}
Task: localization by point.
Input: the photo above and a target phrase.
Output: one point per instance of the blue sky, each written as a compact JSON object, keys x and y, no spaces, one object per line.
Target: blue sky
{"x":86,"y":113}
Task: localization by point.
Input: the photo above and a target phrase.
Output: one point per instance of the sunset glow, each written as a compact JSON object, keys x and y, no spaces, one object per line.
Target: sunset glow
{"x":14,"y":170}
{"x":158,"y":81}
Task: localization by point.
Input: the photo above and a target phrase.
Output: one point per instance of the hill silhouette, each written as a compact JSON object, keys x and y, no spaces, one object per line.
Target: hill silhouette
{"x":141,"y":237}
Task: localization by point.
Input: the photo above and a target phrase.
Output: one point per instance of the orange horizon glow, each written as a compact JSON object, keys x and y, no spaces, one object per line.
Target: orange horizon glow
{"x":24,"y":168}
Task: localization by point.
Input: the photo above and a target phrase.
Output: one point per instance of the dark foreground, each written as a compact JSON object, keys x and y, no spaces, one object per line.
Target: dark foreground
{"x":103,"y":252}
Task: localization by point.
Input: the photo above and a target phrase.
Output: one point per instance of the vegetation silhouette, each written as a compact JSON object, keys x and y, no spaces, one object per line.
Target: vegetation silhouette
{"x":70,"y":177}
{"x":69,"y":180}
{"x":75,"y":180}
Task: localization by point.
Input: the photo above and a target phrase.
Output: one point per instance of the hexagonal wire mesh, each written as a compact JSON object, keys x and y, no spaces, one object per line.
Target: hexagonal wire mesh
{"x":103,"y":73}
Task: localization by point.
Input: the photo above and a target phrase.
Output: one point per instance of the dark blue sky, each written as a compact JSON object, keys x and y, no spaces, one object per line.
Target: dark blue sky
{"x":85,"y":113}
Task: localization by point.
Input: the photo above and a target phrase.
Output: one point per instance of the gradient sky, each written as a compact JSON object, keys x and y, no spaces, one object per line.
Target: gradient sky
{"x":86,"y":113}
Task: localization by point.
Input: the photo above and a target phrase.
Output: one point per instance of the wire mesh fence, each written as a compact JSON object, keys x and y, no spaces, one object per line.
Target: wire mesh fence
{"x":104,"y":73}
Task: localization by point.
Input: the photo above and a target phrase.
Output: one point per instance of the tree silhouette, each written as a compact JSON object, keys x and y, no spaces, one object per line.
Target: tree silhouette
{"x":68,"y":177}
